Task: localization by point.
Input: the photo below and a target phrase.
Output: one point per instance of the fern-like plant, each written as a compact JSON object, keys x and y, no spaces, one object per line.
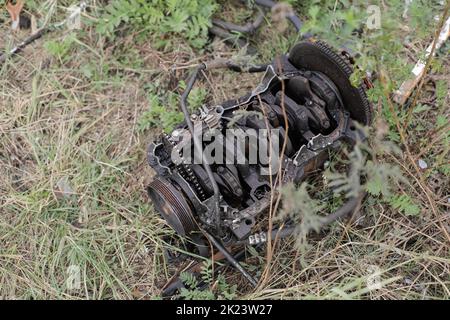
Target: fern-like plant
{"x":189,"y":19}
{"x":218,"y":288}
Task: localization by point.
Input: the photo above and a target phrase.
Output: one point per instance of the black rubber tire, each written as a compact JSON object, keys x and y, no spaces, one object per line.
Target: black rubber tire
{"x":318,"y":56}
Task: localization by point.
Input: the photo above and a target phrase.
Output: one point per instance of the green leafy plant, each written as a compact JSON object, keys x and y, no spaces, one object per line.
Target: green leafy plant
{"x":218,"y":288}
{"x":364,"y":175}
{"x":405,"y":204}
{"x":301,"y":208}
{"x":164,"y":110}
{"x":60,"y":48}
{"x":341,"y":23}
{"x":188,"y":19}
{"x":160,"y":115}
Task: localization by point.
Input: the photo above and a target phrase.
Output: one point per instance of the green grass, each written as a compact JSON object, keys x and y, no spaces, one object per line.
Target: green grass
{"x":78,"y":109}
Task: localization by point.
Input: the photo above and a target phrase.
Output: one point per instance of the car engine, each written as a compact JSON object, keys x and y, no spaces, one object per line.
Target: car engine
{"x":216,"y":173}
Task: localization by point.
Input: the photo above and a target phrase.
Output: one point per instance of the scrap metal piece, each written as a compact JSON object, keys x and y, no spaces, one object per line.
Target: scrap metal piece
{"x":406,"y":89}
{"x":318,"y":56}
{"x":227,"y":201}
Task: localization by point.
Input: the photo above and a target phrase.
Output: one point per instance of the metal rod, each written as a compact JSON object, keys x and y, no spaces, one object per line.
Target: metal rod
{"x":23,"y":44}
{"x":177,"y":284}
{"x":38,"y":34}
{"x":229,"y":64}
{"x":251,"y":69}
{"x":231,"y":259}
{"x":230,"y":38}
{"x":285,"y":232}
{"x":198,"y":146}
{"x":248,"y":28}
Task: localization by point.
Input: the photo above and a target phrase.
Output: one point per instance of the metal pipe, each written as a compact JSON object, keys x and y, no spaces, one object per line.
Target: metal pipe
{"x":229,"y":38}
{"x":23,"y":44}
{"x":176,"y":284}
{"x":231,"y":259}
{"x":285,"y":232}
{"x":198,"y":146}
{"x":248,"y":28}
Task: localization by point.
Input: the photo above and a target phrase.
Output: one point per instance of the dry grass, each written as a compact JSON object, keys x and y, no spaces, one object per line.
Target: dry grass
{"x":73,"y":173}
